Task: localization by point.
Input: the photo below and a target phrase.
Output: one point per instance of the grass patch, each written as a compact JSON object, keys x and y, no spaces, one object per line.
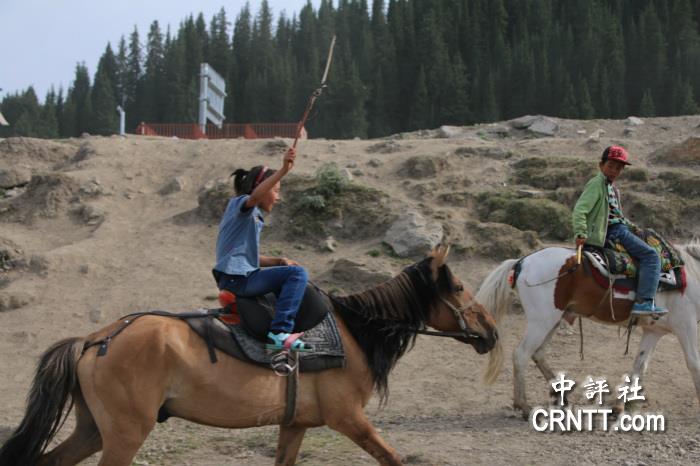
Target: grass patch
{"x":552,"y":173}
{"x":548,"y":218}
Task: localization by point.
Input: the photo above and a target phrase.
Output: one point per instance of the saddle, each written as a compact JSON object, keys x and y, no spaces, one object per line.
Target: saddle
{"x":613,"y":265}
{"x":241,"y":327}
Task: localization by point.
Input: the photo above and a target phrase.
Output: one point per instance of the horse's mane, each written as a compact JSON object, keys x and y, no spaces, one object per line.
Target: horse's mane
{"x":690,"y":253}
{"x":384,"y":319}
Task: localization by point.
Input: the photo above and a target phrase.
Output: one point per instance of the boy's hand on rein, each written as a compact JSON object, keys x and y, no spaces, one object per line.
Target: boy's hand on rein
{"x":580,"y":241}
{"x":288,"y":159}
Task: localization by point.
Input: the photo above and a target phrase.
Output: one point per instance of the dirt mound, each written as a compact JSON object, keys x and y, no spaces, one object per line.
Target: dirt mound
{"x":45,"y":196}
{"x":686,"y":153}
{"x":39,"y":153}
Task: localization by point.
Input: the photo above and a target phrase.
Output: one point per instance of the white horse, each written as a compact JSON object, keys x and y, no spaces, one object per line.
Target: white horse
{"x":550,"y":290}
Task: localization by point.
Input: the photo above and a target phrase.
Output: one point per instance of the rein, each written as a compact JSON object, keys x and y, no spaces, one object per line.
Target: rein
{"x":568,"y":271}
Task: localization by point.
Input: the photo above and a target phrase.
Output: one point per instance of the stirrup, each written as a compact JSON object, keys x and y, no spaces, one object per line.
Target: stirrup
{"x":287,"y":341}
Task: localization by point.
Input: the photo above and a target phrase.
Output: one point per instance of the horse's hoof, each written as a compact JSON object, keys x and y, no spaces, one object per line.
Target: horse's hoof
{"x":524,"y":411}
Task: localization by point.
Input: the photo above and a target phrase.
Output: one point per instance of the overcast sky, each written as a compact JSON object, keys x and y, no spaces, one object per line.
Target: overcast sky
{"x":42,"y":40}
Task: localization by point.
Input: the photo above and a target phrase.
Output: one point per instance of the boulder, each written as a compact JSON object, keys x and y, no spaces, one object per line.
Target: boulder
{"x":411,"y":235}
{"x":634,"y":121}
{"x":451,"y":132}
{"x":537,"y":124}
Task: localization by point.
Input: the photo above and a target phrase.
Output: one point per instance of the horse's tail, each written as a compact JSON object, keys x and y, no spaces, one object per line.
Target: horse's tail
{"x":496,"y":295}
{"x":54,"y":384}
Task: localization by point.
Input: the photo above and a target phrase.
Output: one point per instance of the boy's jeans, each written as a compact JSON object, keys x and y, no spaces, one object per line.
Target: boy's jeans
{"x":649,"y":261}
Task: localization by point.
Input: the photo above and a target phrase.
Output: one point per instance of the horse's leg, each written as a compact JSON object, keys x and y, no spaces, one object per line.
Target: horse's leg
{"x":288,"y":443}
{"x":688,"y":338}
{"x":536,"y":335}
{"x":83,"y":442}
{"x":122,"y":435}
{"x":538,"y":357}
{"x":647,"y":345}
{"x":358,"y":428}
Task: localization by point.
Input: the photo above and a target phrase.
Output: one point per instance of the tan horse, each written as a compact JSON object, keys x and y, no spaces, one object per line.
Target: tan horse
{"x":160,"y":362}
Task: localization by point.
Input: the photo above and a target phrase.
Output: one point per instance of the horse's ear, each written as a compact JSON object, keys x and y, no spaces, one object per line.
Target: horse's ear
{"x":439,"y":255}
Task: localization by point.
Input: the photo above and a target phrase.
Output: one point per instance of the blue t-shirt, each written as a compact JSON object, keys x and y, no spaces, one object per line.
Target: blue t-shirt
{"x":238,"y":243}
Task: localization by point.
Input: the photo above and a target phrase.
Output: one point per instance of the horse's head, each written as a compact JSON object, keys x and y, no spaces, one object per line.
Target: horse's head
{"x":456,"y":310}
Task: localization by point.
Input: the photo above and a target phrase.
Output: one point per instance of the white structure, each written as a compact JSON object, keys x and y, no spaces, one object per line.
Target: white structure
{"x":212,"y":91}
{"x":3,"y":121}
{"x":122,"y":118}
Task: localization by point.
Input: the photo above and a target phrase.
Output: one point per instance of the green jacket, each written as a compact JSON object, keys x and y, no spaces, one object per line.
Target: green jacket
{"x":590,"y":216}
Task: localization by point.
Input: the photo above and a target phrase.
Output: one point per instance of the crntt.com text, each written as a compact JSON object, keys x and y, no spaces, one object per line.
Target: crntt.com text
{"x":588,"y":419}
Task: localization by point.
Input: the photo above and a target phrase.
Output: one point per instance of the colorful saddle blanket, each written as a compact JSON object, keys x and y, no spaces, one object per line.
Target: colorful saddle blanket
{"x":617,"y":263}
{"x":621,"y":263}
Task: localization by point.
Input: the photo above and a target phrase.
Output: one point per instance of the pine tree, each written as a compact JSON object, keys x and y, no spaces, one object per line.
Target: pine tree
{"x":47,"y":124}
{"x":646,"y":106}
{"x":569,"y":107}
{"x":154,"y":72}
{"x":419,"y":117}
{"x":133,"y":83}
{"x":585,"y":106}
{"x":685,"y":99}
{"x":104,"y":109}
{"x":81,"y":100}
{"x":121,"y":74}
{"x":456,"y":110}
{"x":219,"y":55}
{"x":175,"y":107}
{"x":241,"y":63}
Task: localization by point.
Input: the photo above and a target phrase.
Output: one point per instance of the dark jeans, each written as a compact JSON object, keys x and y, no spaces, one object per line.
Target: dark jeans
{"x":649,"y":261}
{"x":288,"y":283}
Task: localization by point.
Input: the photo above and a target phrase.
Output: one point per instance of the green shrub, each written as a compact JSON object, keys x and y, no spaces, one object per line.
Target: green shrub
{"x":329,"y":181}
{"x":312,"y":201}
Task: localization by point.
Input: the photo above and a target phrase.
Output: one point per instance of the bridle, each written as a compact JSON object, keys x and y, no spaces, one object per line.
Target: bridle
{"x":458,"y":313}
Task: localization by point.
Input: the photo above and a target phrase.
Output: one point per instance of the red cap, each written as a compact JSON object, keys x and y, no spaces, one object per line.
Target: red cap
{"x":616,"y":153}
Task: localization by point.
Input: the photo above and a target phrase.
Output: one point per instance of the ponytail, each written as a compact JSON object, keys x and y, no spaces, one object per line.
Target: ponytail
{"x":245,"y":181}
{"x":239,"y":176}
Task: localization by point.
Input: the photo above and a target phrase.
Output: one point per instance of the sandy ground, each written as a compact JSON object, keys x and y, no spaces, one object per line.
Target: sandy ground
{"x":81,"y":276}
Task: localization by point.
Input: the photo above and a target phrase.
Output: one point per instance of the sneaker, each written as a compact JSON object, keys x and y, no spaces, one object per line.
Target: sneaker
{"x":647,"y":308}
{"x":287,"y":341}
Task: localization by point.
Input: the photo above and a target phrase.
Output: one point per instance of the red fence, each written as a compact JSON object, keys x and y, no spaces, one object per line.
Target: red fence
{"x":227,"y":131}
